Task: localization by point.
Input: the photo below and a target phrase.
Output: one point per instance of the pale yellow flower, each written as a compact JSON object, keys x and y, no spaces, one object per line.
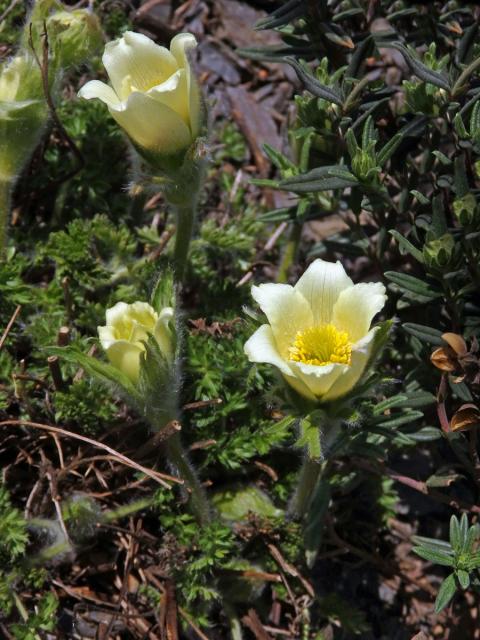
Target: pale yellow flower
{"x":154,"y":95}
{"x":319,"y":334}
{"x":128,"y":326}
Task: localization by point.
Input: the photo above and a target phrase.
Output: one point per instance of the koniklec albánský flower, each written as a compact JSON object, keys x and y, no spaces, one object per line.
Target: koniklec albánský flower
{"x":155,"y":96}
{"x":319,"y":333}
{"x":127,"y":328}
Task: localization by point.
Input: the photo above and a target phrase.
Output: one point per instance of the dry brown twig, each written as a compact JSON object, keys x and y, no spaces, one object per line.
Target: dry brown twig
{"x":154,"y":475}
{"x":9,"y":326}
{"x":44,"y":69}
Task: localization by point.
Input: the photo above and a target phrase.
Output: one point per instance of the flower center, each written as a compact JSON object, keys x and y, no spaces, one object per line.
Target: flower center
{"x":321,"y":345}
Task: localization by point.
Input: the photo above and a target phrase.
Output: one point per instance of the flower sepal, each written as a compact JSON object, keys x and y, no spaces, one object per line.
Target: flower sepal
{"x":179,"y":175}
{"x":158,"y":385}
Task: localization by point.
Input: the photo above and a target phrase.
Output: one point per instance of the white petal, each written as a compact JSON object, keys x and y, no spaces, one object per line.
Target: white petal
{"x":318,"y":379}
{"x":364,"y":343}
{"x":134,"y":62}
{"x":126,"y":357}
{"x":100,"y":90}
{"x":152,"y":125}
{"x":174,"y":94}
{"x":106,"y":336}
{"x":180,"y":45}
{"x":163,"y":331}
{"x":320,"y":285}
{"x":287,"y":312}
{"x":116,"y":313}
{"x":356,"y":307}
{"x":261,"y":347}
{"x":143,"y":313}
{"x":195,"y":103}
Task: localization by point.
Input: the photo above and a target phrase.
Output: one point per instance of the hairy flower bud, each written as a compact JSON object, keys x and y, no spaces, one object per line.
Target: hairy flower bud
{"x":22,"y":113}
{"x":154,"y":95}
{"x":76,"y":35}
{"x":128,"y":327}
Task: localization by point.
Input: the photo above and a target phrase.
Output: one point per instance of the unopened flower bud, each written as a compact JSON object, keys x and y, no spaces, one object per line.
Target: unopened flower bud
{"x":22,"y":113}
{"x":76,"y":35}
{"x":466,"y":210}
{"x":439,"y":253}
{"x":128,"y":327}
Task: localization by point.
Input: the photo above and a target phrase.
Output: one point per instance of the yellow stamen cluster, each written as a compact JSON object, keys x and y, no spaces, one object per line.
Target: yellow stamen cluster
{"x":321,"y":346}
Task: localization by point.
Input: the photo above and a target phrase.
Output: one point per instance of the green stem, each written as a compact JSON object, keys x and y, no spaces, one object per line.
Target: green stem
{"x":290,"y":252}
{"x":307,"y":481}
{"x":5,"y":203}
{"x":310,"y":474}
{"x":127,"y":509}
{"x":178,"y":459}
{"x":185,"y":218}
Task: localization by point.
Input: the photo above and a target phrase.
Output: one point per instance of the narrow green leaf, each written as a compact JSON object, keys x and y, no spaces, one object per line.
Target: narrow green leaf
{"x":407,"y":245}
{"x":433,"y":544}
{"x":313,"y":85}
{"x":388,"y":404}
{"x":278,"y":159}
{"x":417,"y":67}
{"x":369,"y":134}
{"x":455,"y":534}
{"x":446,"y":593}
{"x":437,"y":557}
{"x":424,"y":333}
{"x":362,"y":51}
{"x":472,"y":535}
{"x":427,"y":434}
{"x":463,"y":530}
{"x":418,"y":399}
{"x":466,"y":44}
{"x":348,"y":13}
{"x":399,"y":420}
{"x":282,"y":16}
{"x":389,"y":149}
{"x":412,"y":284}
{"x":104,"y":372}
{"x":420,"y":197}
{"x":278,"y":215}
{"x":318,"y":179}
{"x":463,"y":578}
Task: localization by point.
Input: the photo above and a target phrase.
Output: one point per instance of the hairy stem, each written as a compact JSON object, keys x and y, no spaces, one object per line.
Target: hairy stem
{"x":307,"y":481}
{"x":185,"y":218}
{"x":310,"y":474}
{"x":290,"y":252}
{"x":179,"y":460}
{"x":5,"y":203}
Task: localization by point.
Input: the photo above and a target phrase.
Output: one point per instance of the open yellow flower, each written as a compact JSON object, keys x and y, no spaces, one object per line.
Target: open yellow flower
{"x":155,"y":96}
{"x":319,"y":334}
{"x":127,"y":328}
